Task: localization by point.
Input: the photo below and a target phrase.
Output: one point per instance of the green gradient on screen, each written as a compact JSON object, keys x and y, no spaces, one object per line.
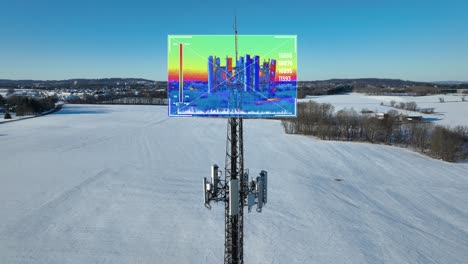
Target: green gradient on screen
{"x":197,"y":49}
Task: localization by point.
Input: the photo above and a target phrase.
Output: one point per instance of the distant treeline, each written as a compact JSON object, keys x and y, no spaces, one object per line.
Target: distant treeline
{"x":147,"y":97}
{"x":420,"y":90}
{"x":138,"y":101}
{"x":22,"y":105}
{"x":303,"y":91}
{"x":76,"y":83}
{"x":449,"y":144}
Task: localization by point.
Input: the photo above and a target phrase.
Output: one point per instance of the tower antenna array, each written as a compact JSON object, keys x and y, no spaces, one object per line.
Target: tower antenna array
{"x":235,"y":190}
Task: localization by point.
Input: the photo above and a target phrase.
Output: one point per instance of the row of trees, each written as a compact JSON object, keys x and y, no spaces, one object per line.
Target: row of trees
{"x":303,"y":90}
{"x":143,"y":97}
{"x":23,"y":105}
{"x":320,"y":120}
{"x":138,"y":101}
{"x":416,"y":90}
{"x":410,"y":106}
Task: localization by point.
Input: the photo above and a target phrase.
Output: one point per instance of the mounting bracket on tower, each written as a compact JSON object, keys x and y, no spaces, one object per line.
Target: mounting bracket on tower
{"x":252,"y":193}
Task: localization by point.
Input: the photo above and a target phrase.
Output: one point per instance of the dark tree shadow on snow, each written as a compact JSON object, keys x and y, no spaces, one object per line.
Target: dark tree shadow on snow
{"x":79,"y":110}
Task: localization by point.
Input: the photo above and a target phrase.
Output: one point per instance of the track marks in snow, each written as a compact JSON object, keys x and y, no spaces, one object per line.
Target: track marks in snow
{"x":143,"y":201}
{"x":42,"y":218}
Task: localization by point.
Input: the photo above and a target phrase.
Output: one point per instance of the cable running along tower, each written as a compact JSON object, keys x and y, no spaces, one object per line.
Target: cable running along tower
{"x":235,"y":190}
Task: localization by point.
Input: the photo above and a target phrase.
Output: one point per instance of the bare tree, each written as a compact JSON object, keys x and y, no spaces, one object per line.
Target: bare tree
{"x":393,"y":113}
{"x":347,"y":120}
{"x":289,"y":127}
{"x":420,"y":135}
{"x":446,"y":144}
{"x":411,"y":106}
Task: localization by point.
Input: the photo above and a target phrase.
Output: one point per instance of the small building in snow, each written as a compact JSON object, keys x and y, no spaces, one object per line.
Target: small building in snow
{"x":381,"y":115}
{"x":414,"y":118}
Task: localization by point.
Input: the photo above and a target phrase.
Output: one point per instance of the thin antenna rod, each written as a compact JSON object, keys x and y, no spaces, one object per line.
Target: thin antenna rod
{"x":235,"y":33}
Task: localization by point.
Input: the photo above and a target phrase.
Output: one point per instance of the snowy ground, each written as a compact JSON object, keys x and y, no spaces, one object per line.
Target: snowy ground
{"x":13,"y":117}
{"x":452,"y":112}
{"x":122,"y":184}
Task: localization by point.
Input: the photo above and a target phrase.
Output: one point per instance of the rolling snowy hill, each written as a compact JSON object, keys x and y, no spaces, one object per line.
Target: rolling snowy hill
{"x":452,"y":112}
{"x":123,"y":184}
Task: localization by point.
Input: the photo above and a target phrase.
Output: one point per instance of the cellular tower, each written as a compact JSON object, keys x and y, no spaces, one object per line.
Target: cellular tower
{"x":247,"y":72}
{"x":236,"y":189}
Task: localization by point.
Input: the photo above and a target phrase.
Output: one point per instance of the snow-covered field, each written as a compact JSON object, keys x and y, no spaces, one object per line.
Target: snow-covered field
{"x":13,"y":117}
{"x":452,"y":112}
{"x":123,"y":184}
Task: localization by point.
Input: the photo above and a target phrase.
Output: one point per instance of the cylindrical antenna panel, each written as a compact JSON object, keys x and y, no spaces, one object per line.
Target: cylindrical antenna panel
{"x":214,"y":178}
{"x":265,"y":185}
{"x":234,"y":197}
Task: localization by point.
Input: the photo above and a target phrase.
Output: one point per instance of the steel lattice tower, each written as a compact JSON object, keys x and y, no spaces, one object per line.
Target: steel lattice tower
{"x":234,"y":169}
{"x":236,"y":191}
{"x":233,"y":250}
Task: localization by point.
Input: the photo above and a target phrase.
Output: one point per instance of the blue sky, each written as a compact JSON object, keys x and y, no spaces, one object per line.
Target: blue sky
{"x":412,"y":40}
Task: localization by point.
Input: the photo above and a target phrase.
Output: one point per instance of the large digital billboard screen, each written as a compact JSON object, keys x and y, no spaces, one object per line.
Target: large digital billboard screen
{"x":207,"y":78}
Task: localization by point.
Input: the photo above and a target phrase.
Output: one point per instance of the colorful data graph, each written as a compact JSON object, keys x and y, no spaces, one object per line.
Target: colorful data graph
{"x":207,"y":78}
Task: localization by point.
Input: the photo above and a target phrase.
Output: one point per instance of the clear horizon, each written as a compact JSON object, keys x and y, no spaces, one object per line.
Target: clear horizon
{"x":312,"y":80}
{"x":419,"y":41}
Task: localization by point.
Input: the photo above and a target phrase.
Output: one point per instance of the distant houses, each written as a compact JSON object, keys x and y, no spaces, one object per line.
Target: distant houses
{"x":401,"y":117}
{"x":381,"y":116}
{"x":427,"y":110}
{"x":366,"y":111}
